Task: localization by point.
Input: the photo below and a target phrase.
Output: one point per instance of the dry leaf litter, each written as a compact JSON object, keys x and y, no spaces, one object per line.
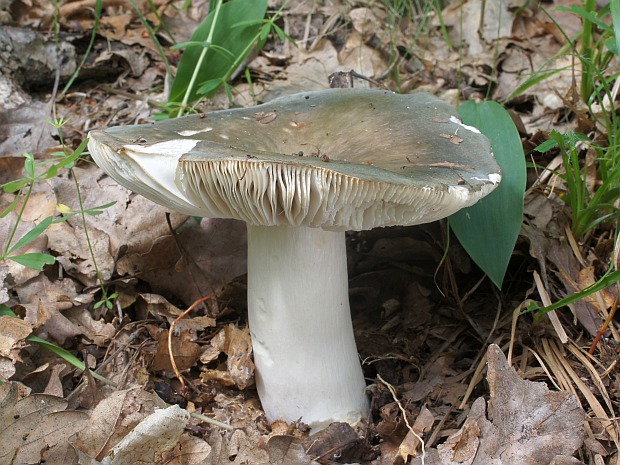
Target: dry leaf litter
{"x":430,"y":329}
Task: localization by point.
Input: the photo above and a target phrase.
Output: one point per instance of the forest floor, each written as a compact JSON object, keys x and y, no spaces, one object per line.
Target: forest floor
{"x":458,"y":372}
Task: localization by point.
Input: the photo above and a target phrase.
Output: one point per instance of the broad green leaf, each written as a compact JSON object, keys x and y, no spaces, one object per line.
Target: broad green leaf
{"x":36,"y":261}
{"x":209,"y":86}
{"x":488,"y":230}
{"x":236,"y":40}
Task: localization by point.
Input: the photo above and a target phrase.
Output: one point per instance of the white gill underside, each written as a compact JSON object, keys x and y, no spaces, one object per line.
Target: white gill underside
{"x":283,"y":194}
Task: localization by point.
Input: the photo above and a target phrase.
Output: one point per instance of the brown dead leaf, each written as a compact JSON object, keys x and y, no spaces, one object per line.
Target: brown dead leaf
{"x":7,"y":369}
{"x":239,"y":351}
{"x":58,"y":310}
{"x":214,"y":252}
{"x":287,"y":450}
{"x":248,"y":447}
{"x":151,"y":439}
{"x":186,"y":353}
{"x":528,"y":424}
{"x":469,"y":440}
{"x":422,"y":424}
{"x":478,"y":23}
{"x":237,"y":345}
{"x":25,"y":129}
{"x":190,"y":450}
{"x":568,"y":271}
{"x":337,"y":442}
{"x":113,"y":418}
{"x":34,"y":424}
{"x":13,"y":331}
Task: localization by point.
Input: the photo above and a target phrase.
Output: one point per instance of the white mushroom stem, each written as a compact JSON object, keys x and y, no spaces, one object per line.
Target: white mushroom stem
{"x":307,"y":365}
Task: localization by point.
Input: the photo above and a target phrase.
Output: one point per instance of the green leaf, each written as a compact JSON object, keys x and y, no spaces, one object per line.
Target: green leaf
{"x":615,"y":17}
{"x":535,"y":78}
{"x":192,"y":43}
{"x":586,"y":15}
{"x":209,"y":86}
{"x":489,"y":229}
{"x":546,"y":146}
{"x":67,"y":161}
{"x":6,"y":311}
{"x":10,"y":208}
{"x":98,"y":210}
{"x":36,"y":261}
{"x":235,"y":40}
{"x":68,"y":357}
{"x":32,"y":234}
{"x":15,"y":185}
{"x":29,"y":164}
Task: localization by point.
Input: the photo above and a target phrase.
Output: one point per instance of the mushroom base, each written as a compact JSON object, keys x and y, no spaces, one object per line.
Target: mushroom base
{"x":307,"y":367}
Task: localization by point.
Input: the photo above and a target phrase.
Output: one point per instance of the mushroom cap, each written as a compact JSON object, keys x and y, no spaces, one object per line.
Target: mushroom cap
{"x":337,"y":159}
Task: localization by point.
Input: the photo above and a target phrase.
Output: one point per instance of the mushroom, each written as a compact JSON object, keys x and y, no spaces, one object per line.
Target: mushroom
{"x":300,"y":171}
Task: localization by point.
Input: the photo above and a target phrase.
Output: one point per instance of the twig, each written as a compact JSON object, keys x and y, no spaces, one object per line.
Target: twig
{"x":171,"y":330}
{"x":402,"y":409}
{"x":603,"y":328}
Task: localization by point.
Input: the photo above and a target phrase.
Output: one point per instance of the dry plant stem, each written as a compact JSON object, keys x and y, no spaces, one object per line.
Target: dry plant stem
{"x":402,"y":409}
{"x":198,"y":416}
{"x":171,"y":331}
{"x":306,"y":359}
{"x":553,"y":317}
{"x":603,"y":328}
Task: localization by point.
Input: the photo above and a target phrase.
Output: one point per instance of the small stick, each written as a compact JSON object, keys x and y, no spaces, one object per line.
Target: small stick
{"x":170,"y":331}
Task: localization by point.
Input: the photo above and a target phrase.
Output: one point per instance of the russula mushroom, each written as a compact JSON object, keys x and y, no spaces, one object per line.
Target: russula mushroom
{"x":300,"y":171}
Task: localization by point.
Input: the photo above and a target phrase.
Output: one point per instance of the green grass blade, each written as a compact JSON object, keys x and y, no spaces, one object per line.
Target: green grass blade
{"x":488,"y":230}
{"x":68,"y":357}
{"x":606,"y":281}
{"x":535,"y":78}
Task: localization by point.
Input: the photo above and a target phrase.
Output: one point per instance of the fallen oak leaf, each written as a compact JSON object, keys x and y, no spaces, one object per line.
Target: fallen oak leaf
{"x":34,"y":424}
{"x":526,"y":423}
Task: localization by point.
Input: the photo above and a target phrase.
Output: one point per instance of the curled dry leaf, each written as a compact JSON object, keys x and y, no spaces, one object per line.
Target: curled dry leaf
{"x":239,"y":363}
{"x":250,"y":448}
{"x":149,"y":441}
{"x":338,"y":442}
{"x":528,"y":424}
{"x":237,"y":345}
{"x":113,"y":418}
